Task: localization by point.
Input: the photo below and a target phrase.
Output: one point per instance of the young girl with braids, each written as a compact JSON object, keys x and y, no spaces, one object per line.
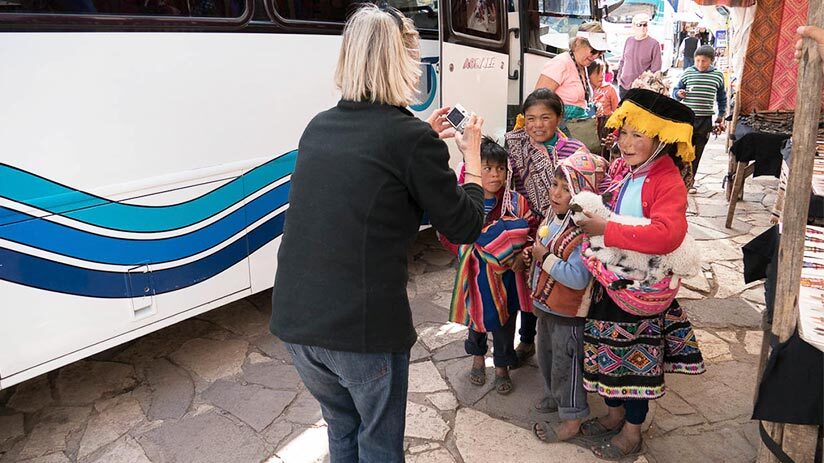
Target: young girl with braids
{"x":535,"y":146}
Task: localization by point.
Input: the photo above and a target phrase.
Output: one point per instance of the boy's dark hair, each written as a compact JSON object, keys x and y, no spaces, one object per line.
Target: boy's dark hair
{"x":597,"y":66}
{"x":545,"y":97}
{"x":492,"y":152}
{"x":559,"y":173}
{"x":706,"y":50}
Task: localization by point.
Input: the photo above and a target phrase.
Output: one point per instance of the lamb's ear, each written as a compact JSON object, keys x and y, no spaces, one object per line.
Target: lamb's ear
{"x":606,"y":197}
{"x":576,"y":208}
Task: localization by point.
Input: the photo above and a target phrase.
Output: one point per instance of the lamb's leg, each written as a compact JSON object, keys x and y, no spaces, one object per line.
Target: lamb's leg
{"x":674,"y":282}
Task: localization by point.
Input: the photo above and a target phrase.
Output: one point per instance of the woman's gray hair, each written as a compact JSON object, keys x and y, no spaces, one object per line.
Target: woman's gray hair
{"x":379,"y":58}
{"x":576,"y":42}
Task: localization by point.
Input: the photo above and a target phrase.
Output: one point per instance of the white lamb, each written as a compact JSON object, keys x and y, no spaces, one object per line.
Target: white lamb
{"x":637,"y":268}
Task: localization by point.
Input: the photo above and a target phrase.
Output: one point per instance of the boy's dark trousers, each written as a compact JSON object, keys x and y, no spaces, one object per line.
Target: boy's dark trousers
{"x":700,"y":136}
{"x":503,"y":344}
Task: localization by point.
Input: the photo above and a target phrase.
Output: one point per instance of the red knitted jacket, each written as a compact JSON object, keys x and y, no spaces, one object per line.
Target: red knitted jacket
{"x":664,"y":202}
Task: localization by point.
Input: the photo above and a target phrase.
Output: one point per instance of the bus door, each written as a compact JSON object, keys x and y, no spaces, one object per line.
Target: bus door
{"x":475,"y":64}
{"x":547,"y":27}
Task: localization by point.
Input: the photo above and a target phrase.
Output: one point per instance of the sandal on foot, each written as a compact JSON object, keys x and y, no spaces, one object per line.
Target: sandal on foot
{"x":550,"y":435}
{"x":593,"y":428}
{"x":503,"y":384}
{"x":546,"y":405}
{"x":611,"y":452}
{"x":477,"y":376}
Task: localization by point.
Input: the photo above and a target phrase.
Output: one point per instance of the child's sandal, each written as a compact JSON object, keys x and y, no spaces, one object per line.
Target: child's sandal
{"x":477,"y":376}
{"x":611,"y":452}
{"x":503,"y":384}
{"x":593,"y":428}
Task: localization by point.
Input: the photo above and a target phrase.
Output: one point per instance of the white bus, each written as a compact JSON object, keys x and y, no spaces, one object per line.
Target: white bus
{"x":618,"y":26}
{"x":147,"y":147}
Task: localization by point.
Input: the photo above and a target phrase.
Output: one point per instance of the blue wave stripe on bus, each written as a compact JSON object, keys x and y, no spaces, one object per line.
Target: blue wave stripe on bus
{"x":36,"y":272}
{"x":27,"y":188}
{"x":80,"y":244}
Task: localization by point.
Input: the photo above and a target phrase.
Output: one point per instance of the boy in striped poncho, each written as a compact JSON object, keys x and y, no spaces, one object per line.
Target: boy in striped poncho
{"x":700,"y":86}
{"x":490,"y":285}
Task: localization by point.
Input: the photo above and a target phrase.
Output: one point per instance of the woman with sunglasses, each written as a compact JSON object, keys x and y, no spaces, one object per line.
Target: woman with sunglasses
{"x":641,"y":53}
{"x":566,"y":74}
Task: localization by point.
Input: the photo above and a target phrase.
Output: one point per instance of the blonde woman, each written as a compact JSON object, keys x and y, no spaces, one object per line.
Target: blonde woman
{"x":566,"y":73}
{"x":366,"y":171}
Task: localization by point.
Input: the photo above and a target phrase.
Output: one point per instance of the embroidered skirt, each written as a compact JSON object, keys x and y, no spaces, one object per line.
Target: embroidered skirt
{"x":626,"y":356}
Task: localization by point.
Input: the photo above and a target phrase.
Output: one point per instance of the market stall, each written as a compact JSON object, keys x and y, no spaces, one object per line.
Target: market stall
{"x":776,"y":103}
{"x":766,"y":89}
{"x":777,"y":120}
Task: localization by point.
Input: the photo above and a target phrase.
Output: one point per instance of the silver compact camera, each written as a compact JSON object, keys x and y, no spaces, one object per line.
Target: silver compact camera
{"x":458,"y":117}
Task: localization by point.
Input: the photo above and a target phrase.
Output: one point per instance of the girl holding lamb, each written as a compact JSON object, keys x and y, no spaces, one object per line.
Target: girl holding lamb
{"x":629,"y":342}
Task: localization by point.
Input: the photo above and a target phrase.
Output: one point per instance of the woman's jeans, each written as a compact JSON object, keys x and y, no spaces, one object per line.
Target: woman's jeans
{"x":362,"y":398}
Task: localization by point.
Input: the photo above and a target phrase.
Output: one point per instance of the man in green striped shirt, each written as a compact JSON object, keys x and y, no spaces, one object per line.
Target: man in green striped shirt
{"x":700,"y":87}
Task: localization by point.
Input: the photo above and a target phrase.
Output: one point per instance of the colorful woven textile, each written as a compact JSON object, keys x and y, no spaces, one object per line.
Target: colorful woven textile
{"x":625,"y":357}
{"x":487,"y":292}
{"x":642,"y":302}
{"x":785,"y":75}
{"x":759,"y":65}
{"x":733,"y":3}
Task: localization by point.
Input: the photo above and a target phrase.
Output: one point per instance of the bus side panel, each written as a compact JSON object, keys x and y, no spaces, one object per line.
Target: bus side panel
{"x":150,"y":120}
{"x":533,"y":64}
{"x":478,"y":80}
{"x":53,"y":330}
{"x":117,"y":116}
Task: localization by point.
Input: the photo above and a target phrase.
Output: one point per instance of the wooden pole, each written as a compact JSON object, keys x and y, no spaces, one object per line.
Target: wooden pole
{"x":797,"y":441}
{"x":732,"y":163}
{"x":799,"y":183}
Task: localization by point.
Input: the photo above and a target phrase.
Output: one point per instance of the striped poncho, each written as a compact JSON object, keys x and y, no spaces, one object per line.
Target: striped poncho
{"x":487,"y":291}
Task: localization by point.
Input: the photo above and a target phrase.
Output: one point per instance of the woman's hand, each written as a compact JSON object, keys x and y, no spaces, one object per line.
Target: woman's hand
{"x":469,"y":142}
{"x":439,"y":123}
{"x":593,"y":225}
{"x":470,"y":139}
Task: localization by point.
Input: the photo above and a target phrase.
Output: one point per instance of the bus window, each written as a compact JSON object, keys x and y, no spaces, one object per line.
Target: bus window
{"x":478,"y":18}
{"x":186,"y":8}
{"x":624,"y":13}
{"x":424,"y":13}
{"x":567,"y":7}
{"x":551,"y":23}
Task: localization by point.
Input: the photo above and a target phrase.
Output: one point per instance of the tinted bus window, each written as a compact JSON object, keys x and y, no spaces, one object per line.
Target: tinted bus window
{"x":423,"y":12}
{"x":185,"y":8}
{"x":479,"y":18}
{"x":550,"y":24}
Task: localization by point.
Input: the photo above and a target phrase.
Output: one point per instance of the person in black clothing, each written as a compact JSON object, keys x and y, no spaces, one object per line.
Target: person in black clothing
{"x":367,"y":169}
{"x":688,"y":48}
{"x":705,"y":37}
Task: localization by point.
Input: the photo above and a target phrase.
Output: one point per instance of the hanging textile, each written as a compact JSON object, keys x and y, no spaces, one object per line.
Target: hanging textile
{"x":733,"y":3}
{"x":756,"y":82}
{"x":785,"y":74}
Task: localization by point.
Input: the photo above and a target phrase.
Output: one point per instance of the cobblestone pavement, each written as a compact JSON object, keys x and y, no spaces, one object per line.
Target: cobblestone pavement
{"x":219,"y":388}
